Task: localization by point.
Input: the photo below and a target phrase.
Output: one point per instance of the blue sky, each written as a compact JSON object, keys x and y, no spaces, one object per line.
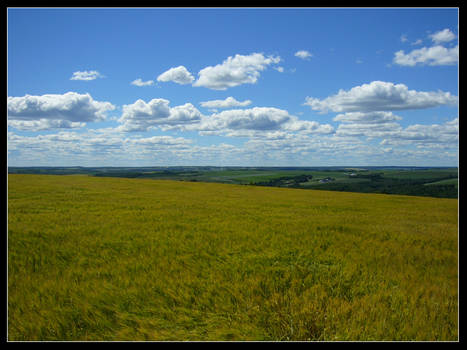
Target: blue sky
{"x":232,"y":86}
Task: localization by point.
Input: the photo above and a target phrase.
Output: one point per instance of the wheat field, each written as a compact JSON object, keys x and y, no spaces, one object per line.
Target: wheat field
{"x":139,"y":259}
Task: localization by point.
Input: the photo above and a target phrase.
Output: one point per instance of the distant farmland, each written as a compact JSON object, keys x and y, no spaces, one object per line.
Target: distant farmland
{"x":100,"y":258}
{"x":411,"y":181}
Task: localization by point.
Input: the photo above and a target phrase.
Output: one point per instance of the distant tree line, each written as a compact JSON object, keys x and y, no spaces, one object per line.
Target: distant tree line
{"x":380,"y":184}
{"x":288,"y":181}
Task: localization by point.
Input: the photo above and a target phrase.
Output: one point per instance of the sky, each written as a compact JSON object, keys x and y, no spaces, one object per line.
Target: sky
{"x":232,"y":86}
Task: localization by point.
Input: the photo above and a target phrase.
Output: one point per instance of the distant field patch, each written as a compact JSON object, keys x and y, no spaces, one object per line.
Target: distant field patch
{"x":419,"y":174}
{"x":445,"y":182}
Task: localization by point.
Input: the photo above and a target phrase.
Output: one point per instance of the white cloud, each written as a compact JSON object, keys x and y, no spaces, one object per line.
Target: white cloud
{"x":86,"y":75}
{"x":229,"y":102}
{"x":433,"y":56}
{"x":443,"y":36}
{"x":44,"y":124}
{"x":307,"y":127}
{"x":404,"y":38}
{"x":257,"y":118}
{"x":382,"y":125}
{"x":140,"y":116}
{"x":433,"y":143}
{"x":417,"y":42}
{"x":96,"y":148}
{"x":234,"y":71}
{"x":301,"y":148}
{"x":51,"y":111}
{"x":368,"y":130}
{"x":436,"y":135}
{"x":434,"y":129}
{"x":181,"y":115}
{"x":179,"y":75}
{"x":257,"y":121}
{"x":369,"y":124}
{"x":158,"y":141}
{"x":303,"y":54}
{"x":366,"y":118}
{"x":380,"y":96}
{"x":139,"y":82}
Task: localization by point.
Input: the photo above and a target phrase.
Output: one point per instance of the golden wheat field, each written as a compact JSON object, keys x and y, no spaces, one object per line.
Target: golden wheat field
{"x":132,"y":259}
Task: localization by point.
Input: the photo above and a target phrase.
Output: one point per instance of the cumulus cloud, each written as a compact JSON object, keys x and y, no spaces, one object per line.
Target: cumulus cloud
{"x":234,"y":71}
{"x":368,"y":129}
{"x":96,"y":148}
{"x":139,"y":82}
{"x":436,"y":55}
{"x":86,"y":75}
{"x":279,"y":146}
{"x":369,"y":124}
{"x":257,"y":121}
{"x":257,"y":118}
{"x":49,"y":111}
{"x":308,"y":127}
{"x":140,"y":116}
{"x":303,"y":54}
{"x":184,"y":114}
{"x":433,"y":56}
{"x":158,"y":141}
{"x":179,"y":75}
{"x":44,"y":124}
{"x":366,"y":118}
{"x":380,"y":96}
{"x":229,"y":102}
{"x":450,"y":128}
{"x":443,"y":36}
{"x":441,"y":135}
{"x":294,"y":149}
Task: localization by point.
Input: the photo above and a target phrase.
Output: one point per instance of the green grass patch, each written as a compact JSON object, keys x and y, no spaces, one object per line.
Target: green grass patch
{"x":445,"y":182}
